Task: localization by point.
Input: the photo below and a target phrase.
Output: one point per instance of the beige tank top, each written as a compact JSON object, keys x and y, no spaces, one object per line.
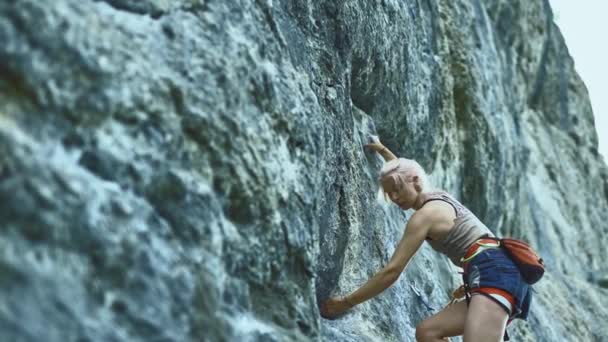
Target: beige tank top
{"x":467,"y":229}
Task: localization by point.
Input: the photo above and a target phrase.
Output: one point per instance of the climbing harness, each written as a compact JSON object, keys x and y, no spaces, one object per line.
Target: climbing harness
{"x":478,"y":247}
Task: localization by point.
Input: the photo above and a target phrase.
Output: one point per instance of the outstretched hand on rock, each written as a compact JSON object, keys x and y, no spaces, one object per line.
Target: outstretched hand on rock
{"x":374,"y":143}
{"x":334,"y":307}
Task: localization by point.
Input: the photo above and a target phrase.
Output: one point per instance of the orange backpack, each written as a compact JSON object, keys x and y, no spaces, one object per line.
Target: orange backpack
{"x":530,"y":264}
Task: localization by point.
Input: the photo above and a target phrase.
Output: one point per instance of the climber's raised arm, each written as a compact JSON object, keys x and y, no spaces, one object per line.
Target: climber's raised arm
{"x":377,"y":146}
{"x":415,"y":233}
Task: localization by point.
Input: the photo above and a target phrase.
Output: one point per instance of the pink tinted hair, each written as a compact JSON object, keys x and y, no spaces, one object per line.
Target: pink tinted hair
{"x":401,"y":169}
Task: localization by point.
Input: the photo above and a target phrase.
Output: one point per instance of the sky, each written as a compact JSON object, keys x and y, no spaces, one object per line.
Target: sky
{"x":584,"y":26}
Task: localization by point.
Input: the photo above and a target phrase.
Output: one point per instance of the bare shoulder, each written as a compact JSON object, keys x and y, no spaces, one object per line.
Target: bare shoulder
{"x":422,"y":216}
{"x":438,"y":218}
{"x":434,"y":212}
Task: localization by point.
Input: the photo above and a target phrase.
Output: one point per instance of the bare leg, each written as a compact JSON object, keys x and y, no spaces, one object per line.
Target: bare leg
{"x":447,"y":322}
{"x":486,"y":320}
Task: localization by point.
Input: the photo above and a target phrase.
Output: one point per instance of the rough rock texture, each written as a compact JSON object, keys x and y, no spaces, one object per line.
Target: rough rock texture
{"x":194,"y":170}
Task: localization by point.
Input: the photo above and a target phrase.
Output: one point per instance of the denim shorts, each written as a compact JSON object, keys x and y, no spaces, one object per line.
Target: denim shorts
{"x":493,"y":268}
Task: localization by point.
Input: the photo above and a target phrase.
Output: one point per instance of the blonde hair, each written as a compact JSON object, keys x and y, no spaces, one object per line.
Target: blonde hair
{"x":401,"y":169}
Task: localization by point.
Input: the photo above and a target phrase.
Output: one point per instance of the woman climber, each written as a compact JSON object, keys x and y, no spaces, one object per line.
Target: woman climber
{"x":495,"y":290}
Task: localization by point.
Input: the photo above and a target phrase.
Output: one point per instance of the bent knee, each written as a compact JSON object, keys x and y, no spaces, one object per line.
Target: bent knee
{"x":425,"y":331}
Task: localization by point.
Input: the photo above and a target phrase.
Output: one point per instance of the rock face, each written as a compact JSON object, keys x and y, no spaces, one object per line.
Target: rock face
{"x":193,"y":170}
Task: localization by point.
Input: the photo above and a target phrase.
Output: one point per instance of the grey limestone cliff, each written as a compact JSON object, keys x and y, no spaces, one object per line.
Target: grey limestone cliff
{"x":194,"y":170}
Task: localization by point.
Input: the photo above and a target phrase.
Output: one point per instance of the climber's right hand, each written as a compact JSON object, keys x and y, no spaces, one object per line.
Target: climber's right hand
{"x":334,"y":307}
{"x":374,"y":143}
